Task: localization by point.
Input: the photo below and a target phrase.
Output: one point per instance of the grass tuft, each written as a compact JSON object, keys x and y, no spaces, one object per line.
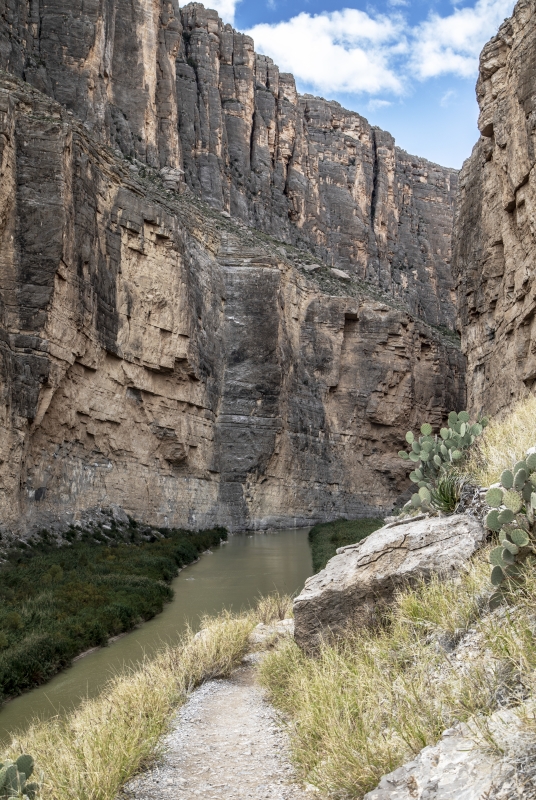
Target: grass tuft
{"x":371,"y":700}
{"x":504,"y":441}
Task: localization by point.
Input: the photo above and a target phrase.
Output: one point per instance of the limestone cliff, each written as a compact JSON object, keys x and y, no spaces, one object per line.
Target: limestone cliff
{"x":159,"y":355}
{"x":180,"y":91}
{"x":495,"y":237}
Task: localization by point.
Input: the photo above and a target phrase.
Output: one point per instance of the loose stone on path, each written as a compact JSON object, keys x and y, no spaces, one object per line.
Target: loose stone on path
{"x":226,"y":743}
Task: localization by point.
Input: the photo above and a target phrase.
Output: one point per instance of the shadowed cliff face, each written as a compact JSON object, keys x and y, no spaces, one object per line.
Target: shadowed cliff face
{"x":158,"y":355}
{"x":495,"y":229}
{"x":182,"y":92}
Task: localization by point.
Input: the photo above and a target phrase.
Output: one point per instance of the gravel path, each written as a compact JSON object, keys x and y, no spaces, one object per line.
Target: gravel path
{"x":226,"y":743}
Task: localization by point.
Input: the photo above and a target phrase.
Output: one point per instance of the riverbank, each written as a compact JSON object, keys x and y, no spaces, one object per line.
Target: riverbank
{"x":58,"y":602}
{"x":94,"y":751}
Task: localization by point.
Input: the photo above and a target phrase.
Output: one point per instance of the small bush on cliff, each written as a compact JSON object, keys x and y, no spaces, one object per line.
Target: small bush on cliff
{"x":57,"y":602}
{"x":326,"y":537}
{"x":434,"y":457}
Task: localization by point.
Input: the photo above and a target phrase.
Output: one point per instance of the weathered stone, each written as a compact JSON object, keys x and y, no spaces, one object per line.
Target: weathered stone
{"x":339,"y":273}
{"x":495,"y":237}
{"x":366,"y":574}
{"x":463,"y":767}
{"x":177,"y":89}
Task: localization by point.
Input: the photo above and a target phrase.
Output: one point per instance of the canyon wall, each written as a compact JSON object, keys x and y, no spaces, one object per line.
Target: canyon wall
{"x":158,"y":355}
{"x":178,"y":90}
{"x":495,"y":238}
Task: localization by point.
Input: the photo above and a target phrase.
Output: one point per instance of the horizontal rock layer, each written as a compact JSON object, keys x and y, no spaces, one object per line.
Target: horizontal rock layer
{"x":156,"y":355}
{"x":179,"y":90}
{"x":495,"y":236}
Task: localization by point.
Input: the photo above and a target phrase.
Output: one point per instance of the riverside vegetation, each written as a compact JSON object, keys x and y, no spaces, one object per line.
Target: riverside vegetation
{"x":363,"y":706}
{"x":56,"y":602}
{"x":326,"y":537}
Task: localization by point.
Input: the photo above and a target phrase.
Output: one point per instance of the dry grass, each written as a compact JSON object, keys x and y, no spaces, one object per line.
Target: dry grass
{"x":272,"y":607}
{"x":504,"y":442}
{"x":91,"y":753}
{"x":372,"y":700}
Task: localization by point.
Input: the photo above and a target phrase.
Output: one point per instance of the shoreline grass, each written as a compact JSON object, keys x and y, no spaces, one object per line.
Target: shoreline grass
{"x":93,"y":751}
{"x":58,"y":602}
{"x":326,"y":537}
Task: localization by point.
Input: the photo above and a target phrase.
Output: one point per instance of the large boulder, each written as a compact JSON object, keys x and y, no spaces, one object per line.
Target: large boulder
{"x":362,"y":575}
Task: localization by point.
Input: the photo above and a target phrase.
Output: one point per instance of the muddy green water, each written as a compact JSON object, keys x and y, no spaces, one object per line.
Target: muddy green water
{"x":232,"y":577}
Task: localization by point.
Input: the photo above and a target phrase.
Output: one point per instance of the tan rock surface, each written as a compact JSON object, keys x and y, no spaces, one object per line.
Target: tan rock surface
{"x":495,"y":237}
{"x":158,"y":356}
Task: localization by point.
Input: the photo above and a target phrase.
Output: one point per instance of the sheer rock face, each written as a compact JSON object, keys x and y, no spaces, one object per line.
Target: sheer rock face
{"x":181,"y":91}
{"x":495,"y":236}
{"x":156,"y":355}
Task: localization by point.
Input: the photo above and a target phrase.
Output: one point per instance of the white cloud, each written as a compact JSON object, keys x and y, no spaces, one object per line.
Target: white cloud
{"x":375,"y":105}
{"x":447,"y":97}
{"x":453,"y":43}
{"x":225,"y":8}
{"x":357,"y":52}
{"x":341,"y":51}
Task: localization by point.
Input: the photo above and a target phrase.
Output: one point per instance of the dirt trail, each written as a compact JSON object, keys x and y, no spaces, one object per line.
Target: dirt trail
{"x":225,"y":743}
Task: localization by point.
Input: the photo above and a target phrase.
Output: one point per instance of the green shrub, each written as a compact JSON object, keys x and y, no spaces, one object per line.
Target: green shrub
{"x":434,"y":457}
{"x":57,"y":602}
{"x":326,"y":537}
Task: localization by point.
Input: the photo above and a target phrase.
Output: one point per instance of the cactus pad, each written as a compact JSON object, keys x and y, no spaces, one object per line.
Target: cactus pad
{"x":507,"y":479}
{"x":520,"y":537}
{"x":494,"y":497}
{"x":513,"y":501}
{"x":531,"y":462}
{"x":497,"y":575}
{"x":492,"y":521}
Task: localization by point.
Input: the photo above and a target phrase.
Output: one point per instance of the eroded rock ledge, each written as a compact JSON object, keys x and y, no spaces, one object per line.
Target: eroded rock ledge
{"x":159,"y":356}
{"x":180,"y":91}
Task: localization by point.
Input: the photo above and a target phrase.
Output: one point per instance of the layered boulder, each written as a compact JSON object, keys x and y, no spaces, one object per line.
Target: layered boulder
{"x":365,"y":576}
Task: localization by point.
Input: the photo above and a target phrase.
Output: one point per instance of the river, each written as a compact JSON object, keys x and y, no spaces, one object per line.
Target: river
{"x":238,"y":572}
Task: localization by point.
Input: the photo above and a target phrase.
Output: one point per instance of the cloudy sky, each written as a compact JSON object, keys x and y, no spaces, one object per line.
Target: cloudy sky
{"x":409,"y":66}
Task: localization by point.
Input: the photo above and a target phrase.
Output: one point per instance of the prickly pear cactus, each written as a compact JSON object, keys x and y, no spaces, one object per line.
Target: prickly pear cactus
{"x":14,"y":776}
{"x":513,"y":517}
{"x":433,"y":455}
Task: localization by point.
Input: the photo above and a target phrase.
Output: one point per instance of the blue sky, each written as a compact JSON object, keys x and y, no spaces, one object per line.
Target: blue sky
{"x":409,"y":66}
